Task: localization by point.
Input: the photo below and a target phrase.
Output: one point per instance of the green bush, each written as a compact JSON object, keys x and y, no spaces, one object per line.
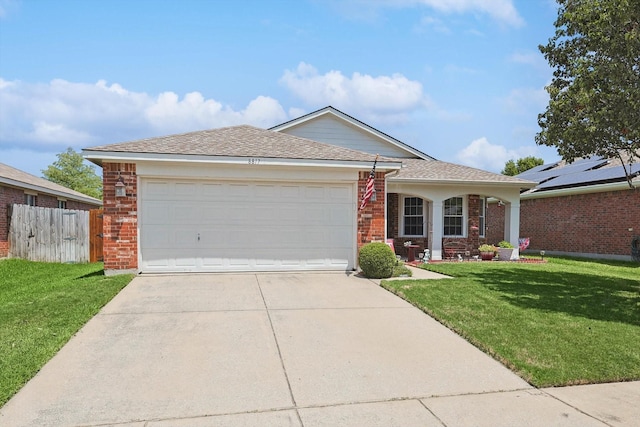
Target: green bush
{"x":377,"y":260}
{"x":505,"y":244}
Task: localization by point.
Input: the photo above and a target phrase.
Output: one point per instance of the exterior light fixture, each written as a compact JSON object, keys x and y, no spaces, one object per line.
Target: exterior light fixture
{"x":121,"y":190}
{"x":542,"y":255}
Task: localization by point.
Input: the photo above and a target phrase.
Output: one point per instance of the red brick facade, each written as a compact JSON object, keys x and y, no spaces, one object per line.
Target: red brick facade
{"x":592,"y":223}
{"x":371,"y":218}
{"x":595,"y":223}
{"x":16,"y":196}
{"x":120,"y":242}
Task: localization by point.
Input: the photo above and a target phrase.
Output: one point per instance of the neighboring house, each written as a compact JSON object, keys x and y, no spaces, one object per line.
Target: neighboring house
{"x":585,"y":208}
{"x":18,"y":187}
{"x":247,"y":199}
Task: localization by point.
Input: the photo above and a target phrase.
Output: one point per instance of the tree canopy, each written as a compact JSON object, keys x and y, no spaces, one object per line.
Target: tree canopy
{"x":515,"y":167}
{"x":71,"y":171}
{"x":594,"y":106}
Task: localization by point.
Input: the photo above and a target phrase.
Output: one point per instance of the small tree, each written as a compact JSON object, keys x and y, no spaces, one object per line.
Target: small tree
{"x":594,"y":106}
{"x":515,"y":167}
{"x":70,"y":171}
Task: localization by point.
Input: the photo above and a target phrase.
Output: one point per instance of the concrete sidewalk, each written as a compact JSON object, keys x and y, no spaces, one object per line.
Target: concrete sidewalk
{"x":288,"y":350}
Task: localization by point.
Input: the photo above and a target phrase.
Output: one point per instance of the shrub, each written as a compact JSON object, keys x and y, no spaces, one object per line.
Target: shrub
{"x":377,"y":260}
{"x":487,"y":248}
{"x":505,"y":244}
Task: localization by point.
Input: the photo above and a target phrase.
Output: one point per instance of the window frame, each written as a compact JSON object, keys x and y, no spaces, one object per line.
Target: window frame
{"x":62,"y":204}
{"x":402,"y":216}
{"x":30,"y":199}
{"x":482,"y":217}
{"x":463,"y":217}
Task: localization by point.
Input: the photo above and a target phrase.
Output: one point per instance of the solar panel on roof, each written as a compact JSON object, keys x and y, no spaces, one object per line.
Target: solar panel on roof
{"x":590,"y":176}
{"x":537,"y":169}
{"x":575,"y":167}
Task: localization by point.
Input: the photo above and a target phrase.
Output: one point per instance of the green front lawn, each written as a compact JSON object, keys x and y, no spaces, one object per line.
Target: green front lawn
{"x":560,"y":323}
{"x":41,"y":306}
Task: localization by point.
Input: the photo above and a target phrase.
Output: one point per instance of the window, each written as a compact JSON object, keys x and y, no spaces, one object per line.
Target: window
{"x":62,"y":204}
{"x":413,"y":217}
{"x":483,"y":213}
{"x":453,"y":217}
{"x":30,"y":199}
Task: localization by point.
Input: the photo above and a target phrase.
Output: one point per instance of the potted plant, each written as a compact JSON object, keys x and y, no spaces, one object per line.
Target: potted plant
{"x":505,"y":250}
{"x":487,"y":252}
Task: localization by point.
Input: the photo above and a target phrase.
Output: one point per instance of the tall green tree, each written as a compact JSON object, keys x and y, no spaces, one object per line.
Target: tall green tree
{"x":594,"y":106}
{"x":515,"y":167}
{"x":71,"y":171}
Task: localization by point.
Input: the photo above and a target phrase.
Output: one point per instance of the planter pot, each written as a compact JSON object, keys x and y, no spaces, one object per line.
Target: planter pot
{"x":505,"y":253}
{"x":487,"y":256}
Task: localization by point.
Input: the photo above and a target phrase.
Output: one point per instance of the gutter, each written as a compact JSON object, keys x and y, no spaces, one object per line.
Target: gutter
{"x":44,"y":190}
{"x":98,"y":157}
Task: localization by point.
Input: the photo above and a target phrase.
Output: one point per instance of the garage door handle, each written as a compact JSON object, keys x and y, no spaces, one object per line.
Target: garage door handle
{"x":198,"y":237}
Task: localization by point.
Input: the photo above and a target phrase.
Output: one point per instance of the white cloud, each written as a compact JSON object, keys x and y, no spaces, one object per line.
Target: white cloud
{"x":534,"y":59}
{"x":435,"y":24}
{"x":60,"y":114}
{"x":480,"y":153}
{"x":390,"y":98}
{"x":526,"y":100}
{"x":500,"y":10}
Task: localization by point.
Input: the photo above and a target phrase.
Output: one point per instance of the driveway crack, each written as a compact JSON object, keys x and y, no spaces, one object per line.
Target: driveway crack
{"x":275,"y":339}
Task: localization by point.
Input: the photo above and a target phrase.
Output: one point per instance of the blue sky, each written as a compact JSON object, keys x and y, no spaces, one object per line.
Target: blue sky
{"x":461,"y":80}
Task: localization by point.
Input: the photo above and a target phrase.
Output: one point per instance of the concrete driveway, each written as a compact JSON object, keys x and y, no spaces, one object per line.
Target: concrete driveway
{"x":275,"y":350}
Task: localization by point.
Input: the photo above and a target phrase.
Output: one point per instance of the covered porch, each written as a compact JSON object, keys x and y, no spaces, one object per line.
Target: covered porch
{"x":437,"y":216}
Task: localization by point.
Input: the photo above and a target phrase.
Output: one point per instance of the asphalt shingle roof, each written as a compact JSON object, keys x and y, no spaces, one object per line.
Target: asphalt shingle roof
{"x":14,"y":174}
{"x":435,"y":170}
{"x":239,"y":141}
{"x":249,"y":141}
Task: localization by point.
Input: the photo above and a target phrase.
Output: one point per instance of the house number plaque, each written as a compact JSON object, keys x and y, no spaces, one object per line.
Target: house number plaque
{"x":254,"y":161}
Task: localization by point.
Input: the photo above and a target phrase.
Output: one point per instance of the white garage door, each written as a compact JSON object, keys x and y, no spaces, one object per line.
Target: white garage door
{"x":190,"y":225}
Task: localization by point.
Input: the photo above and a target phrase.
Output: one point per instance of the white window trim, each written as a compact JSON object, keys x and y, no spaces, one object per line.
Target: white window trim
{"x":483,"y":210}
{"x":465,"y":214}
{"x":31,"y":194}
{"x":401,"y":217}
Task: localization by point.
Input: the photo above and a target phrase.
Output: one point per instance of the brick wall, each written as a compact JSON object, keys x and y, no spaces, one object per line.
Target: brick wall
{"x":120,"y":218}
{"x":596,"y":223}
{"x":371,"y":218}
{"x":8,"y":197}
{"x":495,"y":223}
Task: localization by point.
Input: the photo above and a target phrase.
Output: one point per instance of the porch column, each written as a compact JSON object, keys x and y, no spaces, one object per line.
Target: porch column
{"x":512,"y":226}
{"x":435,"y":238}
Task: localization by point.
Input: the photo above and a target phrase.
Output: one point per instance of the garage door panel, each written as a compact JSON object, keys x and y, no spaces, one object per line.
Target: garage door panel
{"x":245,"y":226}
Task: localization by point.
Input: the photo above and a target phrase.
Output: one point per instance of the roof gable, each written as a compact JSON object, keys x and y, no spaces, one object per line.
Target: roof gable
{"x":332,"y":126}
{"x":242,"y":141}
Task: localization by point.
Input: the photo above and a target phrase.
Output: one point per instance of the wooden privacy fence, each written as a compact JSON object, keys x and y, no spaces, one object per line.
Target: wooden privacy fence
{"x":50,"y":235}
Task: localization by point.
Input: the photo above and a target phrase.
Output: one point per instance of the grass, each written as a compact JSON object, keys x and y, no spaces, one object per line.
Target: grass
{"x":561,"y":323}
{"x":42,"y":306}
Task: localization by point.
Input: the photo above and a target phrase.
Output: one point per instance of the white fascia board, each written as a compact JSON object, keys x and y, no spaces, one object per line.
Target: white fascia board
{"x":99,"y":156}
{"x":598,"y":188}
{"x":355,"y":123}
{"x":43,"y":190}
{"x":474,"y":183}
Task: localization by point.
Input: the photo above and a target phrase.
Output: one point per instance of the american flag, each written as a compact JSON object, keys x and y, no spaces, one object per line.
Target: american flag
{"x":370,"y":187}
